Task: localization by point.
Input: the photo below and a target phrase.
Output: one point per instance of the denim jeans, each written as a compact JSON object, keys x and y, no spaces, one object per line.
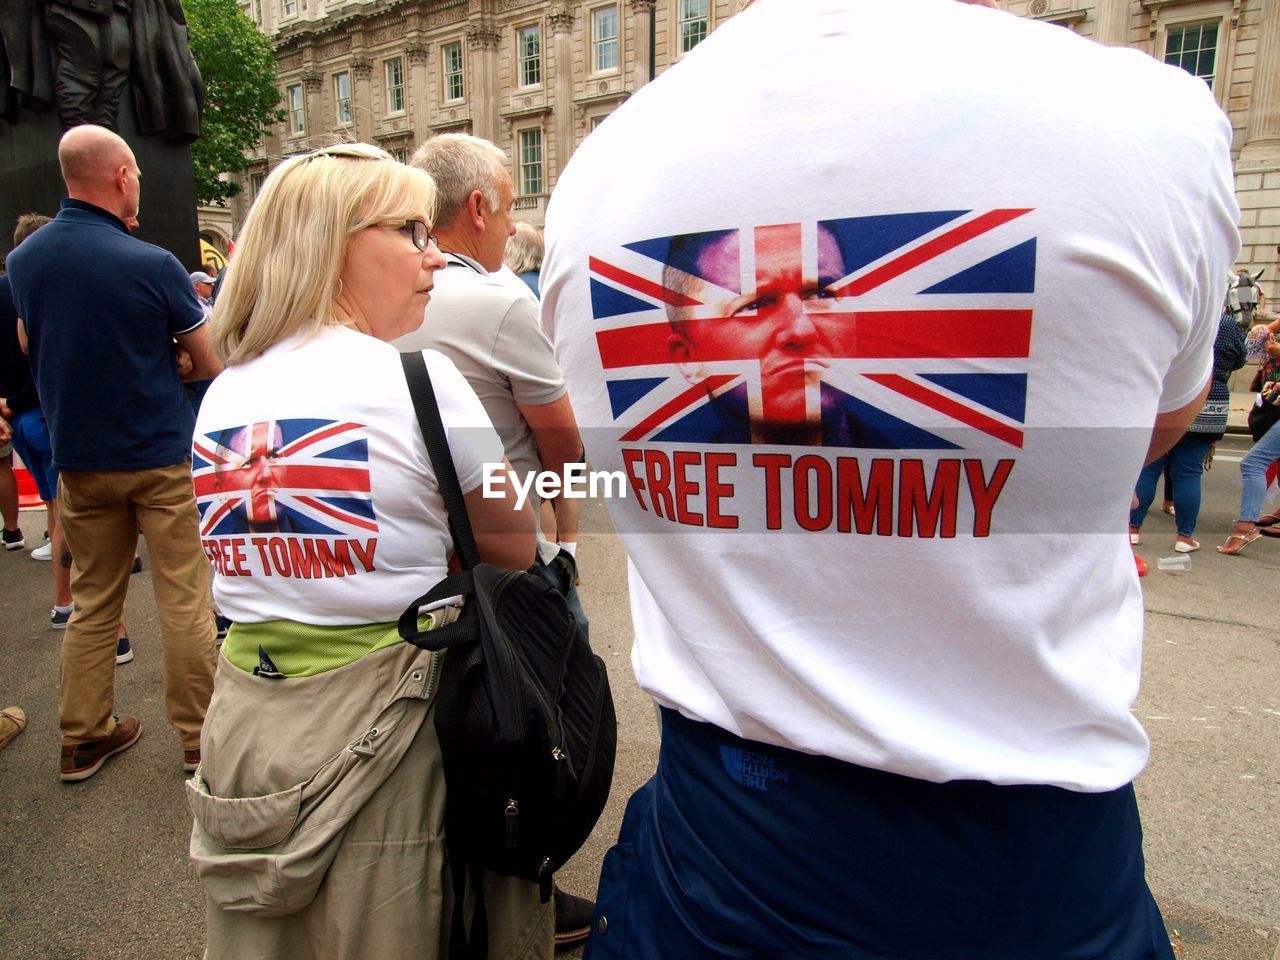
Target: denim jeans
{"x":1253,"y":471}
{"x":1186,"y":464}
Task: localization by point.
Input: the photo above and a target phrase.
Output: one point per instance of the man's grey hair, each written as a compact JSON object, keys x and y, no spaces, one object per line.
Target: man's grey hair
{"x":460,"y":163}
{"x":524,"y":249}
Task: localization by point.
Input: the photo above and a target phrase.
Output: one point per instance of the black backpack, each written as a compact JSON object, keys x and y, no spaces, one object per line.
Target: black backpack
{"x":524,"y":712}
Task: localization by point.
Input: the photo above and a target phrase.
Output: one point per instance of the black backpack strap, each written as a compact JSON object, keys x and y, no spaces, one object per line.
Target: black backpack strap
{"x":428,"y":411}
{"x":461,"y":946}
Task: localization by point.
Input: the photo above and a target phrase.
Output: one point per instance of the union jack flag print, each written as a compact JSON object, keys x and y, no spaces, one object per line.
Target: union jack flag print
{"x":903,"y":331}
{"x":293,"y":476}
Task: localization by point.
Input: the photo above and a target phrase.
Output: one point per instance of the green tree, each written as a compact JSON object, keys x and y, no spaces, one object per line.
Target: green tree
{"x":241,"y":99}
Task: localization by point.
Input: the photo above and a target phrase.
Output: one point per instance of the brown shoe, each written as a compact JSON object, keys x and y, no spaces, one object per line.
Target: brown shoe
{"x":573,"y":918}
{"x":12,"y":722}
{"x":190,"y":760}
{"x":84,"y":760}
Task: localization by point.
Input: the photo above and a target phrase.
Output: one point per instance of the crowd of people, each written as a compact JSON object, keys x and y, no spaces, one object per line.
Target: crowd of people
{"x":797,"y":300}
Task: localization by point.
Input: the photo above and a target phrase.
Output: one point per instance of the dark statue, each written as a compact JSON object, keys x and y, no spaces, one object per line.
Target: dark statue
{"x":80,"y":55}
{"x":121,"y":64}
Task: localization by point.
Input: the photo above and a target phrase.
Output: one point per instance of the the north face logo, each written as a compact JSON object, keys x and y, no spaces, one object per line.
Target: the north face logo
{"x":755,"y":770}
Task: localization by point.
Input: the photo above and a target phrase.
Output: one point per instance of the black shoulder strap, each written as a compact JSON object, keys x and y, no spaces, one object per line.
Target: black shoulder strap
{"x":461,"y":945}
{"x":428,"y":411}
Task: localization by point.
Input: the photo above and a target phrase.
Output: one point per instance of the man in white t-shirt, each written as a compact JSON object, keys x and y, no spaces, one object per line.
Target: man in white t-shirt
{"x":487,"y":324}
{"x":879,"y":349}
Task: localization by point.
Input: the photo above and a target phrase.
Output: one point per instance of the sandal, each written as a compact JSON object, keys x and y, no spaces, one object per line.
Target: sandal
{"x":12,"y":722}
{"x":1244,"y":539}
{"x":1268,"y":521}
{"x":1183,"y":547}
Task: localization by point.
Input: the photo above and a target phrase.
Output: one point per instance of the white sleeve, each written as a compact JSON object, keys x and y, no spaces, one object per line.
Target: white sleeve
{"x":472,"y":440}
{"x":1219,"y":245}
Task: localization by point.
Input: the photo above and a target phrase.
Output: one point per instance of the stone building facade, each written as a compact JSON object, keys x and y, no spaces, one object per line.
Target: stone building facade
{"x":1234,"y":45}
{"x":537,"y":76}
{"x":533,"y":76}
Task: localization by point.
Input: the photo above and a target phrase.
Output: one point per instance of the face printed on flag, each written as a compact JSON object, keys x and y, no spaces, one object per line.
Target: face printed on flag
{"x":783,"y":322}
{"x":893,"y":332}
{"x":293,"y":476}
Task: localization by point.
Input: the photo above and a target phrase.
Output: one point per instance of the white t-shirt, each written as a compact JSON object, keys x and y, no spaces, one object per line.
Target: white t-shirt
{"x":317,"y":499}
{"x":487,"y":324}
{"x":878,"y":334}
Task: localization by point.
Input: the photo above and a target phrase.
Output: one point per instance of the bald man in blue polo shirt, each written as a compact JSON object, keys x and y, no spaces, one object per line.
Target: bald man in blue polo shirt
{"x":101,"y":312}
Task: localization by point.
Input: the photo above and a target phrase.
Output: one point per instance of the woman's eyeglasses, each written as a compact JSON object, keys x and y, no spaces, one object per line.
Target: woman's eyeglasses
{"x":415,"y":229}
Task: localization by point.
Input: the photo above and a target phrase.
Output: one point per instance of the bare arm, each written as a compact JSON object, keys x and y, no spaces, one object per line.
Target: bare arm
{"x":566,"y":512}
{"x":555,"y":431}
{"x":205,"y":364}
{"x":1170,"y":426}
{"x":504,"y":533}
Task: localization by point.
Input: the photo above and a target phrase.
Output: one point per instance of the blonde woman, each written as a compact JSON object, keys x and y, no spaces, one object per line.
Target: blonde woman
{"x":319,"y":803}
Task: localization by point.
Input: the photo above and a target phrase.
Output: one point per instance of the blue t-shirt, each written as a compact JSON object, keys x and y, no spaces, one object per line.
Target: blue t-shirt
{"x":101,"y":310}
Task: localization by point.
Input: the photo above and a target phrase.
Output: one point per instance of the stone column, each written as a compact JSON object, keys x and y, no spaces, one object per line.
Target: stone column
{"x":362,"y":114}
{"x":560,"y":20}
{"x":1111,"y":22}
{"x":482,"y":40}
{"x":418,"y":53}
{"x":1263,"y":130}
{"x":312,"y":83}
{"x":1258,"y":169}
{"x":641,"y":25}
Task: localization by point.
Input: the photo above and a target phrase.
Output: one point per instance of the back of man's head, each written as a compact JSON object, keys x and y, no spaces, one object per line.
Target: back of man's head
{"x":524,"y":249}
{"x":28,"y":224}
{"x":460,"y":164}
{"x":89,"y":155}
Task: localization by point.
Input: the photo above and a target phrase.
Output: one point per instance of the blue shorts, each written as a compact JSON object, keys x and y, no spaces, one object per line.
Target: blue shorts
{"x":737,"y":849}
{"x":31,"y":440}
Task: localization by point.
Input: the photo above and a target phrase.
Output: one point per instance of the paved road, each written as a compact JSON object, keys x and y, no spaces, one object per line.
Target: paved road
{"x":98,"y":870}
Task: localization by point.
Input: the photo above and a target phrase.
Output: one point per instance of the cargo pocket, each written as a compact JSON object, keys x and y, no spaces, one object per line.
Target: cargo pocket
{"x":252,"y":854}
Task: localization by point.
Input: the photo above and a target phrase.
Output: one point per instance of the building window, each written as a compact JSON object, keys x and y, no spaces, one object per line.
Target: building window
{"x":1194,"y":48}
{"x":395,"y":85}
{"x":530,"y":161}
{"x":604,"y":39}
{"x":342,"y":96}
{"x":399,"y":154}
{"x":529,"y":41}
{"x":256,"y":181}
{"x":596,"y":121}
{"x":290,"y":8}
{"x":452,"y":71}
{"x":297,"y":122}
{"x":693,"y":23}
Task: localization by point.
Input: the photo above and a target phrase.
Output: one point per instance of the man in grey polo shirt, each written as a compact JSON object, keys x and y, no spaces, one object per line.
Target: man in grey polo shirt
{"x":489,"y":328}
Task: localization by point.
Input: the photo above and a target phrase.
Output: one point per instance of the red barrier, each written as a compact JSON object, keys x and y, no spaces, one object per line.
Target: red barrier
{"x":28,"y":496}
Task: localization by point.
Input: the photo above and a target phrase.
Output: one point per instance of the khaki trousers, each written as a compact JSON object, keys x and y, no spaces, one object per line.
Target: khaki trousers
{"x":101,"y":513}
{"x":312,"y":852}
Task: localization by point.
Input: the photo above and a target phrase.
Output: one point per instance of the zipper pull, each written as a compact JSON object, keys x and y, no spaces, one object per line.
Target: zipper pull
{"x":562,"y":760}
{"x":513,"y":817}
{"x":546,"y":871}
